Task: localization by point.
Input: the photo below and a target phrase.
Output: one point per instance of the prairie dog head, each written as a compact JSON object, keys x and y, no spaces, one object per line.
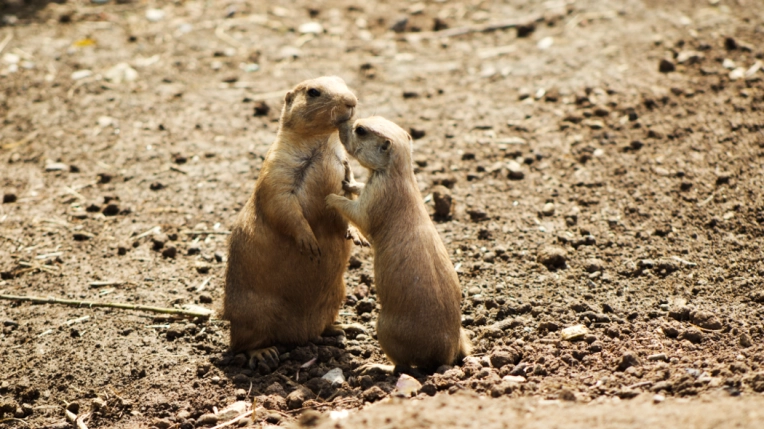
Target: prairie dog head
{"x":378,"y":144}
{"x":318,"y":105}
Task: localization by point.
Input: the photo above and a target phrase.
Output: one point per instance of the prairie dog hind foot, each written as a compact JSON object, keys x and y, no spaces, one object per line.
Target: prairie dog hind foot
{"x":338,"y":329}
{"x":268,"y":356}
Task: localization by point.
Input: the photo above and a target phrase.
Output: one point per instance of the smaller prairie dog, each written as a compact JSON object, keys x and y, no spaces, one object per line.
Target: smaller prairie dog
{"x":420,"y":318}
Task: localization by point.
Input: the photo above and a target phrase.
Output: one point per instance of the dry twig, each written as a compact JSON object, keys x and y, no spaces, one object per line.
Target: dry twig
{"x":475,"y":28}
{"x":29,"y":137}
{"x":230,"y":422}
{"x":200,"y":232}
{"x":191,"y":313}
{"x":5,"y":41}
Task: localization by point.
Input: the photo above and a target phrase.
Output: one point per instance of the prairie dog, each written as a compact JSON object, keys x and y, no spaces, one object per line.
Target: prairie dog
{"x":287,"y":251}
{"x":420,"y":318}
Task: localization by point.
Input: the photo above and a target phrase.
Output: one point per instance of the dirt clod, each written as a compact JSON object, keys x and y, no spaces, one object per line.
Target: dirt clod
{"x":628,"y":360}
{"x":552,"y":257}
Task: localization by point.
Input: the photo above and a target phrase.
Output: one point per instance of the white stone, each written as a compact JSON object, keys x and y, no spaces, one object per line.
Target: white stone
{"x":737,"y":73}
{"x":121,"y":72}
{"x":335,"y":377}
{"x":574,"y":332}
{"x":232,"y":411}
{"x":514,"y":378}
{"x":311,"y":28}
{"x":81,"y":74}
{"x":155,"y":15}
{"x":545,"y":43}
{"x":408,"y":385}
{"x":511,"y":141}
{"x":11,"y":58}
{"x":105,"y":121}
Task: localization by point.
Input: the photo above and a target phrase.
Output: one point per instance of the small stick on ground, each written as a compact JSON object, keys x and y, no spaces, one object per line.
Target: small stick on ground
{"x":81,"y":421}
{"x":107,"y":283}
{"x":14,"y":420}
{"x":476,"y":28}
{"x":204,"y":284}
{"x":21,"y":142}
{"x":3,"y":44}
{"x":154,"y":230}
{"x":200,"y":232}
{"x":230,"y":422}
{"x":191,"y":313}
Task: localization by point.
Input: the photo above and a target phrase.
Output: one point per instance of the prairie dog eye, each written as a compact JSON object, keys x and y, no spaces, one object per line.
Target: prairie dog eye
{"x":360,"y":131}
{"x":313,"y":92}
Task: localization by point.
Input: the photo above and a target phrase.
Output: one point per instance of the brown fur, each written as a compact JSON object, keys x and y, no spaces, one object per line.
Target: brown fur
{"x":420,"y":319}
{"x":287,"y":251}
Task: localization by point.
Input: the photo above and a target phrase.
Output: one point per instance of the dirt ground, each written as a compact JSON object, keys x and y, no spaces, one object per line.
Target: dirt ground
{"x":605,"y":164}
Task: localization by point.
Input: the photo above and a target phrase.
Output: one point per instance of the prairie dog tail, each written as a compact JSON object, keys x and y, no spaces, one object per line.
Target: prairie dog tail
{"x":465,"y":346}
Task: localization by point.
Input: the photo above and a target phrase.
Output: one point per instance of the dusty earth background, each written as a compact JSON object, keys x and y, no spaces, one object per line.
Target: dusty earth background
{"x":604,"y":161}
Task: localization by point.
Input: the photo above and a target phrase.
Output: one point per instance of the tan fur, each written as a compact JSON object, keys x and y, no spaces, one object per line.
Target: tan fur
{"x":420,"y":319}
{"x":287,"y":251}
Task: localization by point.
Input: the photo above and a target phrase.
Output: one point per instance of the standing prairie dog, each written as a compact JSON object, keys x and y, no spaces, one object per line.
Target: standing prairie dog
{"x":287,"y":251}
{"x":420,"y":318}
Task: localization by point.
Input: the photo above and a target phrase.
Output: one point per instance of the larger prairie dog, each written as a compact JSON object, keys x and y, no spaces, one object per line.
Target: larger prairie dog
{"x":420,"y":318}
{"x":287,"y":251}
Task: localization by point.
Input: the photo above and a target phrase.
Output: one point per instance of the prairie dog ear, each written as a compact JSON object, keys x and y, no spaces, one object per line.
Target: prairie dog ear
{"x":385,"y":146}
{"x":289,"y":97}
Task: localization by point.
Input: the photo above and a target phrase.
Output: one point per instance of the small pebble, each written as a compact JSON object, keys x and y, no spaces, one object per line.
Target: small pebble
{"x":745,"y":340}
{"x":261,"y":109}
{"x":373,"y":394}
{"x":155,"y":15}
{"x":296,"y":398}
{"x":705,"y":319}
{"x":407,"y":385}
{"x":416,"y":133}
{"x":56,"y":166}
{"x":573,"y":333}
{"x":311,"y":28}
{"x":515,"y":170}
{"x":335,"y":377}
{"x":81,"y":74}
{"x":548,"y":209}
{"x":110,"y":210}
{"x":170,"y":252}
{"x":205,"y":298}
{"x":97,"y":404}
{"x":9,"y":198}
{"x":400,"y":25}
{"x":158,"y":241}
{"x":232,"y":411}
{"x":553,"y":257}
{"x":628,"y":359}
{"x":441,"y":198}
{"x":666,"y":66}
{"x":208,"y":419}
{"x":545,"y":43}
